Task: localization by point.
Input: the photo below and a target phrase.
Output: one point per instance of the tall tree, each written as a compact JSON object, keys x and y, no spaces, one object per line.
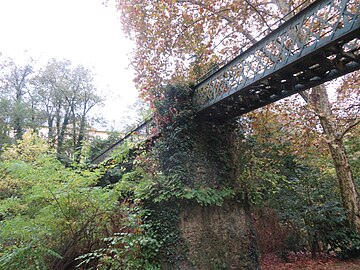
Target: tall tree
{"x":16,"y":92}
{"x":67,"y":95}
{"x":172,"y":34}
{"x":335,"y":138}
{"x":51,"y":84}
{"x":318,"y":98}
{"x":86,"y":99}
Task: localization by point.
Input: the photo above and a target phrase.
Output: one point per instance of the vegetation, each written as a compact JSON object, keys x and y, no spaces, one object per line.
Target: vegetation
{"x":123,"y":215}
{"x":293,"y":164}
{"x":58,"y":97}
{"x":98,"y":145}
{"x":49,"y":214}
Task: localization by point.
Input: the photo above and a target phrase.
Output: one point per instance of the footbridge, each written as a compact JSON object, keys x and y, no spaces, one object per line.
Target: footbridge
{"x":320,"y":43}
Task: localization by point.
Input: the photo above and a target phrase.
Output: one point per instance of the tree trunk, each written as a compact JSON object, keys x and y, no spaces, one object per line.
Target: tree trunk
{"x":51,"y":137}
{"x":18,"y":120}
{"x":349,"y":194}
{"x":61,"y":134}
{"x":18,"y":127}
{"x":81,"y":137}
{"x":73,"y":115}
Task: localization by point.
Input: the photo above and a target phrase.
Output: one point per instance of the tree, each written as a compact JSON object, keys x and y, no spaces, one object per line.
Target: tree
{"x":335,"y":139}
{"x":86,"y":99}
{"x":49,"y":85}
{"x":67,"y":95}
{"x":5,"y":127}
{"x":16,"y":96}
{"x":318,"y":99}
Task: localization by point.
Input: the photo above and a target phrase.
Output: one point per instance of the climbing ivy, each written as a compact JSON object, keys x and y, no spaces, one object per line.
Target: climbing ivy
{"x":195,"y":163}
{"x":195,"y":156}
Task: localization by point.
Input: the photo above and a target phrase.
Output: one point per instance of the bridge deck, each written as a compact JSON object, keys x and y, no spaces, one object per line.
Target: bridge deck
{"x":317,"y":45}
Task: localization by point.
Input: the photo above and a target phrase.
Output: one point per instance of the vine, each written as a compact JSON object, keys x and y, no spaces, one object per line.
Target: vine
{"x":195,"y":163}
{"x":194,"y":155}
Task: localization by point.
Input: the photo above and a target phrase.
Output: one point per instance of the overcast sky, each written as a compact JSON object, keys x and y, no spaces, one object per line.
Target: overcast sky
{"x":83,"y":31}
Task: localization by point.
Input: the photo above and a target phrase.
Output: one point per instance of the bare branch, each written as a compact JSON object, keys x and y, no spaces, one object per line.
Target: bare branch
{"x":260,"y":15}
{"x":246,"y":33}
{"x":349,"y":127}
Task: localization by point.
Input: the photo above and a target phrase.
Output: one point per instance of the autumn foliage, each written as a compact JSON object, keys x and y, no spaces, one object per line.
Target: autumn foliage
{"x":181,"y":40}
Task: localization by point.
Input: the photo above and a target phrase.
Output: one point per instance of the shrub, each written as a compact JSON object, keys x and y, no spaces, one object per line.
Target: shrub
{"x":48,"y":210}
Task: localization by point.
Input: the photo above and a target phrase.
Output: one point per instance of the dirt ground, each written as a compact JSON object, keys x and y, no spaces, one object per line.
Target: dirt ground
{"x":305,"y":262}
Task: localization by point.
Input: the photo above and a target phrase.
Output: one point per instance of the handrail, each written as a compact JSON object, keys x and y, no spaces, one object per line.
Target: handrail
{"x":139,"y":127}
{"x":311,"y":29}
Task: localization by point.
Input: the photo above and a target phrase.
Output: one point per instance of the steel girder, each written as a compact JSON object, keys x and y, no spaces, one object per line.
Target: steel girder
{"x":317,"y":45}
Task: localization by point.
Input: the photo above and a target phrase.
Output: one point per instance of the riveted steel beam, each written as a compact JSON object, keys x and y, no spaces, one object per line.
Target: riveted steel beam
{"x":317,"y":45}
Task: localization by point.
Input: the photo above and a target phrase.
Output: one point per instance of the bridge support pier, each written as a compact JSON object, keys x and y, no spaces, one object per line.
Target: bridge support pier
{"x":216,"y":231}
{"x":202,"y":207}
{"x":218,"y":237}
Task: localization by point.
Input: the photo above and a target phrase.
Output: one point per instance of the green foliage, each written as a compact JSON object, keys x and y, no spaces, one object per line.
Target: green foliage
{"x":349,"y":245}
{"x":5,"y":127}
{"x":47,"y":209}
{"x":97,"y":144}
{"x":305,"y":197}
{"x":190,"y":150}
{"x":134,"y":185}
{"x":209,"y":196}
{"x":28,"y":149}
{"x":327,"y":223}
{"x":28,"y":257}
{"x":176,"y":123}
{"x":121,"y":161}
{"x":134,"y":248}
{"x":352,"y":143}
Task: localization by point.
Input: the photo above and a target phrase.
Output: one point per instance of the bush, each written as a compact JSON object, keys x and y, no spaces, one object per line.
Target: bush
{"x":48,"y":210}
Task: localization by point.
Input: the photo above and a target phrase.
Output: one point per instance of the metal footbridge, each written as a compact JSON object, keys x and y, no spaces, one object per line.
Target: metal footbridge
{"x":320,"y":43}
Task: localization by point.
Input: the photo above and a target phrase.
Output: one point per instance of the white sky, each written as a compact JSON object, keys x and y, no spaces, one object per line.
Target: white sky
{"x":83,"y":31}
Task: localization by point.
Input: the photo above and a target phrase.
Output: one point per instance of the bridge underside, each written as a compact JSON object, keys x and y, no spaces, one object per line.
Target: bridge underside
{"x":318,"y":44}
{"x":316,"y":68}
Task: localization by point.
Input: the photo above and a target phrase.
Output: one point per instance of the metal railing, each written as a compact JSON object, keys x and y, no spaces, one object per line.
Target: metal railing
{"x":142,"y":131}
{"x":322,"y":24}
